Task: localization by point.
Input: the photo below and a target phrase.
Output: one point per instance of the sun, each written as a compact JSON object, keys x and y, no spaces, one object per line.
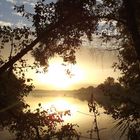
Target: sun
{"x":56,"y":77}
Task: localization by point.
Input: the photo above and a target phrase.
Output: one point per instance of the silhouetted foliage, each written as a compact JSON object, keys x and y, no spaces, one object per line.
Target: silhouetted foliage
{"x":42,"y":124}
{"x":125,"y":107}
{"x":61,"y":26}
{"x":16,"y":116}
{"x":129,"y":111}
{"x":59,"y":29}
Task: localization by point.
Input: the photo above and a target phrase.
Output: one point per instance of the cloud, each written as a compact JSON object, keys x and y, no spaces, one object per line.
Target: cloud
{"x":21,"y":24}
{"x":32,"y":4}
{"x":17,"y":14}
{"x":4,"y":23}
{"x":28,"y":2}
{"x":11,"y":1}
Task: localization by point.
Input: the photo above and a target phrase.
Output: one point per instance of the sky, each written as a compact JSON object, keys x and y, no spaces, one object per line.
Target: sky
{"x":91,"y":69}
{"x":92,"y":66}
{"x":9,"y":17}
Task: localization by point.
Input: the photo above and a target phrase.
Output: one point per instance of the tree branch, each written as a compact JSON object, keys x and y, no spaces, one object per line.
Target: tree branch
{"x":38,"y":39}
{"x":28,"y":48}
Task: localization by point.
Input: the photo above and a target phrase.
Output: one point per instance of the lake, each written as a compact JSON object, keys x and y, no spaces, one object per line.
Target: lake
{"x":79,"y":115}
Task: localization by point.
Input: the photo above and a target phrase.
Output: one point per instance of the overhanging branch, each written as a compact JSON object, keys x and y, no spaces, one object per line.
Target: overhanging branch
{"x":28,"y":48}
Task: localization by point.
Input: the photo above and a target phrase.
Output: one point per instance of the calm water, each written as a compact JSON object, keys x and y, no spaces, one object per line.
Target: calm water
{"x":79,"y":115}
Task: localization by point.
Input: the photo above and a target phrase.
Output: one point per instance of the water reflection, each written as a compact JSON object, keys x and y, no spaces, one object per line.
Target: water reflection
{"x":79,"y":114}
{"x":60,"y":104}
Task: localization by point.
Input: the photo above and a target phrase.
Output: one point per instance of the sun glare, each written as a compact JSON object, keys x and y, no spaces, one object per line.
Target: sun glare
{"x":61,"y":104}
{"x":57,"y":78}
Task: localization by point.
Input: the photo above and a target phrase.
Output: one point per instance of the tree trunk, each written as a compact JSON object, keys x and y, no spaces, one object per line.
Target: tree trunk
{"x":18,"y":56}
{"x":28,"y":48}
{"x":132,"y":24}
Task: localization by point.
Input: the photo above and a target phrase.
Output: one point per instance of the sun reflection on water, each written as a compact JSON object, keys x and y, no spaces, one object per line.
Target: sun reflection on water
{"x":79,"y":113}
{"x":60,"y":105}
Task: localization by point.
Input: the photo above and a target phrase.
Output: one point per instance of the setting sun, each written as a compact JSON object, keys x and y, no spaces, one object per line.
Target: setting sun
{"x":57,"y":77}
{"x":84,"y":73}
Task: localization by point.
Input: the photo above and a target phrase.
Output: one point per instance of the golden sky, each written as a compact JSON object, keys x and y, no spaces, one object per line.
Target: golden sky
{"x":92,"y":68}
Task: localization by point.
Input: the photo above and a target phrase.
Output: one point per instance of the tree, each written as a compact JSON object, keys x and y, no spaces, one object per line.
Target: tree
{"x":133,"y":23}
{"x":130,"y":80}
{"x":109,"y":81}
{"x":16,"y":116}
{"x":59,"y":31}
{"x":126,"y":112}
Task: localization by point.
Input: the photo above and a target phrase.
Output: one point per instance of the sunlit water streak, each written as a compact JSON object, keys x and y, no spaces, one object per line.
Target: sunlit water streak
{"x":79,"y":114}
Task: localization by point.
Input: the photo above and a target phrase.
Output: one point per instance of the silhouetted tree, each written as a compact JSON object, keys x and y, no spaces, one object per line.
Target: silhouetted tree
{"x":126,"y":112}
{"x":129,"y":112}
{"x":16,"y":116}
{"x":59,"y":29}
{"x":59,"y":26}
